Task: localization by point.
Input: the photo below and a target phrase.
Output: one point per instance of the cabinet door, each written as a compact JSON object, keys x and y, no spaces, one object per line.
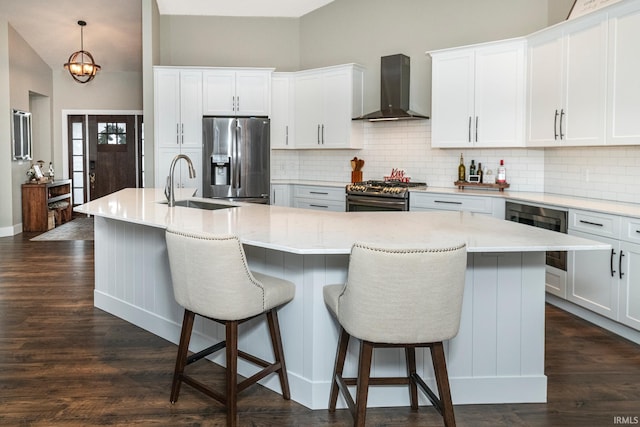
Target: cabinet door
{"x":195,"y":154}
{"x":544,"y":89}
{"x":629,"y":313}
{"x":453,"y":89}
{"x":181,"y":174}
{"x":308,"y":96}
{"x":191,"y":109}
{"x":281,"y":195}
{"x":336,"y":108}
{"x":253,"y":93}
{"x":593,"y":281}
{"x":219,"y":88}
{"x":499,"y":96}
{"x":623,"y":126}
{"x":167,"y":108}
{"x":585,"y":85}
{"x":281,"y":119}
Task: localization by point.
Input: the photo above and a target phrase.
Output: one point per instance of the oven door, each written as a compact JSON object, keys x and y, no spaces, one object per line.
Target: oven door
{"x":375,"y":204}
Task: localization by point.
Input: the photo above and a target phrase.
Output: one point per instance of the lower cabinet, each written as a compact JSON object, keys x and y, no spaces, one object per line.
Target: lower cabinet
{"x":181,"y":174}
{"x":280,"y":195}
{"x":493,"y":206}
{"x":319,"y":198}
{"x":606,"y":282}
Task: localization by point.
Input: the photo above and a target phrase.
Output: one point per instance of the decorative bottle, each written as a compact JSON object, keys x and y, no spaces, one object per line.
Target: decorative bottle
{"x":502,"y":173}
{"x":480,"y":173}
{"x":472,"y":168}
{"x":462,"y":170}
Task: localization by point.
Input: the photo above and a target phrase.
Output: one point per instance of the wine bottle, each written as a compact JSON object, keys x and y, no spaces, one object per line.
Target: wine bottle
{"x":480,"y":173}
{"x":472,"y":168}
{"x":502,"y":173}
{"x":462,"y":170}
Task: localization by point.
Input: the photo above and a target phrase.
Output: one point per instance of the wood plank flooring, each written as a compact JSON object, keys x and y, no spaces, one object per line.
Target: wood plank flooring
{"x":65,"y":363}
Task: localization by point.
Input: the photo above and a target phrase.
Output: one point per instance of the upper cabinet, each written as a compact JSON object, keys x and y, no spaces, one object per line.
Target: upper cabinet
{"x":478,"y":95}
{"x":237,"y":92}
{"x":567,"y":84}
{"x":623,"y":103}
{"x":326,"y":100}
{"x":178,"y":107}
{"x":282,"y":110}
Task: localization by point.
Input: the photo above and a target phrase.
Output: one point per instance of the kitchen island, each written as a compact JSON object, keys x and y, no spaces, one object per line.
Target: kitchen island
{"x":497,"y":357}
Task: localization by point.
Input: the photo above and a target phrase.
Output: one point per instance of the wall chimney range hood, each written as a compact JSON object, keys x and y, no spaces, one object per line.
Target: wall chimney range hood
{"x":394,"y":91}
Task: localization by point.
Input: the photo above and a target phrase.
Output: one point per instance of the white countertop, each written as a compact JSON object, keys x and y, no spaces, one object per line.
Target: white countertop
{"x":317,"y":232}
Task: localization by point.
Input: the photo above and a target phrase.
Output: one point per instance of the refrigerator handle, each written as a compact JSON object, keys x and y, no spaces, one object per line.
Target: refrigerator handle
{"x":236,"y":166}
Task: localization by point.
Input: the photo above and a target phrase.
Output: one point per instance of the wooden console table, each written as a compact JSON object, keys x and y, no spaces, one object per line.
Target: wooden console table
{"x":40,"y":198}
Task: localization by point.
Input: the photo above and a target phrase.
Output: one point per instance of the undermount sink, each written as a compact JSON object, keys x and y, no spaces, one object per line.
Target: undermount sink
{"x":197,"y":204}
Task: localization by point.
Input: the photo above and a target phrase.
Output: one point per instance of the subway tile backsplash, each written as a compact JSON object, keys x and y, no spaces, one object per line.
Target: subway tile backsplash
{"x":607,"y":173}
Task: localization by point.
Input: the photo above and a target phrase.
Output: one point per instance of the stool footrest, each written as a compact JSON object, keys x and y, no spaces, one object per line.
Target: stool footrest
{"x":207,"y":351}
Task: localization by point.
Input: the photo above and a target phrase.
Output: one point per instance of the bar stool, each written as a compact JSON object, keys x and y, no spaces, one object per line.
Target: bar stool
{"x":398,"y":297}
{"x":211,"y":279}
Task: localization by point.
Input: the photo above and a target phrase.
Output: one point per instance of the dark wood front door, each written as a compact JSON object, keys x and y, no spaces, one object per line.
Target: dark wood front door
{"x":112,"y":154}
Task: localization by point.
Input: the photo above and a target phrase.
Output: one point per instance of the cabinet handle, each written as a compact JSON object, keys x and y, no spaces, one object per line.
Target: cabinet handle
{"x":476,"y":128}
{"x":286,"y":135}
{"x":613,"y":272}
{"x":237,"y":103}
{"x":555,"y":126}
{"x":322,"y":134}
{"x":182,"y":133}
{"x":319,"y":206}
{"x":447,"y":202}
{"x":591,"y":223}
{"x":318,"y":136}
{"x":318,"y":192}
{"x":561,"y":119}
{"x":637,"y":231}
{"x":178,"y":133}
{"x":469,"y":137}
{"x":620,"y":273}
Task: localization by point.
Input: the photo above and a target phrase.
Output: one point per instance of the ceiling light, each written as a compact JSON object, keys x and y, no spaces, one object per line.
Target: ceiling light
{"x":81,"y":65}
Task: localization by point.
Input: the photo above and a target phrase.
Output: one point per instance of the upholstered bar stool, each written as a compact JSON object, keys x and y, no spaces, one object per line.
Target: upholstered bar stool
{"x":211,"y":279}
{"x":398,"y":297}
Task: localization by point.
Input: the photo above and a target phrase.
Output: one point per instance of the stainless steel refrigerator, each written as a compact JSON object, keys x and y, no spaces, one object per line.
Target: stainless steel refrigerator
{"x":236,"y":158}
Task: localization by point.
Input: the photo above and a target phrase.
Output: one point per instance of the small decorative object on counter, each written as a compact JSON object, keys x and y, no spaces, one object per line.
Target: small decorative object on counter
{"x":51,"y":172}
{"x":502,"y":173}
{"x":480,"y":173}
{"x":462,"y":170}
{"x":472,"y":168}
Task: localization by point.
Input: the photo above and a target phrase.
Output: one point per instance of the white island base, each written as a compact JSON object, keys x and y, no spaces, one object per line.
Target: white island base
{"x":497,"y":357}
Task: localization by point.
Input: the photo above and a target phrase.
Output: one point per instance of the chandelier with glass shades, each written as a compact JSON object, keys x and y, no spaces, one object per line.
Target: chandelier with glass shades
{"x":81,"y":65}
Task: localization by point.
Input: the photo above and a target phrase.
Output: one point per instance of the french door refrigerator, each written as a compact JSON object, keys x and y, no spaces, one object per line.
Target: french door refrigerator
{"x":236,"y":158}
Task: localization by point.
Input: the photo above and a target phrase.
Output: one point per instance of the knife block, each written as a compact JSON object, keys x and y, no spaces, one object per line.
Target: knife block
{"x":356,"y":176}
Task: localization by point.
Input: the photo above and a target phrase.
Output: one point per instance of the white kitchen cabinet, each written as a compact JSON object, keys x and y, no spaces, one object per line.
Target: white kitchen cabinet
{"x":478,"y":95}
{"x":237,"y":92}
{"x":326,"y":100}
{"x":567,"y":84}
{"x":280,"y":195}
{"x":629,"y":273}
{"x":178,"y":123}
{"x":593,"y":275}
{"x":164,"y":158}
{"x":319,"y":198}
{"x":282,"y":110}
{"x":493,"y":206}
{"x":178,"y":107}
{"x":623,"y":126}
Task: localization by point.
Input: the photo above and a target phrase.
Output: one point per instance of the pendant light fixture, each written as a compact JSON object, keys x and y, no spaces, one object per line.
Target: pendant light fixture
{"x":81,"y":65}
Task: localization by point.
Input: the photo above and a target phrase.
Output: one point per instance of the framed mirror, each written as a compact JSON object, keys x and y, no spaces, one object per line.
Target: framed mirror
{"x":21,"y":135}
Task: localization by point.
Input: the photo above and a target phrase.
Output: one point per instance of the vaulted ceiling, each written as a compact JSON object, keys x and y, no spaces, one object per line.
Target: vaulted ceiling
{"x":114,"y":29}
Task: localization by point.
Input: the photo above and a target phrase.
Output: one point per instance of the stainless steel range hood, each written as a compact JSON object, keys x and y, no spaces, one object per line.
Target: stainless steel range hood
{"x":394,"y":91}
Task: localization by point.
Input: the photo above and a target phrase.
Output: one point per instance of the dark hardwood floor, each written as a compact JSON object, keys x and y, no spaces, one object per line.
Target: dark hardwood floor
{"x":65,"y":363}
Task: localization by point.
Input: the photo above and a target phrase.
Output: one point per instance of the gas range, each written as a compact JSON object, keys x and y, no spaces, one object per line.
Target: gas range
{"x":393,"y":189}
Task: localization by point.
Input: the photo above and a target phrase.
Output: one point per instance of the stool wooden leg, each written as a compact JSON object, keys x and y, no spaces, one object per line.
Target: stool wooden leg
{"x":232,"y":371}
{"x":341,"y":354}
{"x":442,"y":379}
{"x":362,"y":386}
{"x":276,"y":342}
{"x":410,"y":353}
{"x":183,"y":350}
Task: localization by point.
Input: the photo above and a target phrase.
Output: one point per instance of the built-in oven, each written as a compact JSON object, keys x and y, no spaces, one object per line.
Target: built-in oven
{"x":542,"y":217}
{"x":356,"y":203}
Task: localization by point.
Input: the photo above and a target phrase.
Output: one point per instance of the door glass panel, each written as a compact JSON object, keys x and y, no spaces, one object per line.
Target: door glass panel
{"x":110,"y":133}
